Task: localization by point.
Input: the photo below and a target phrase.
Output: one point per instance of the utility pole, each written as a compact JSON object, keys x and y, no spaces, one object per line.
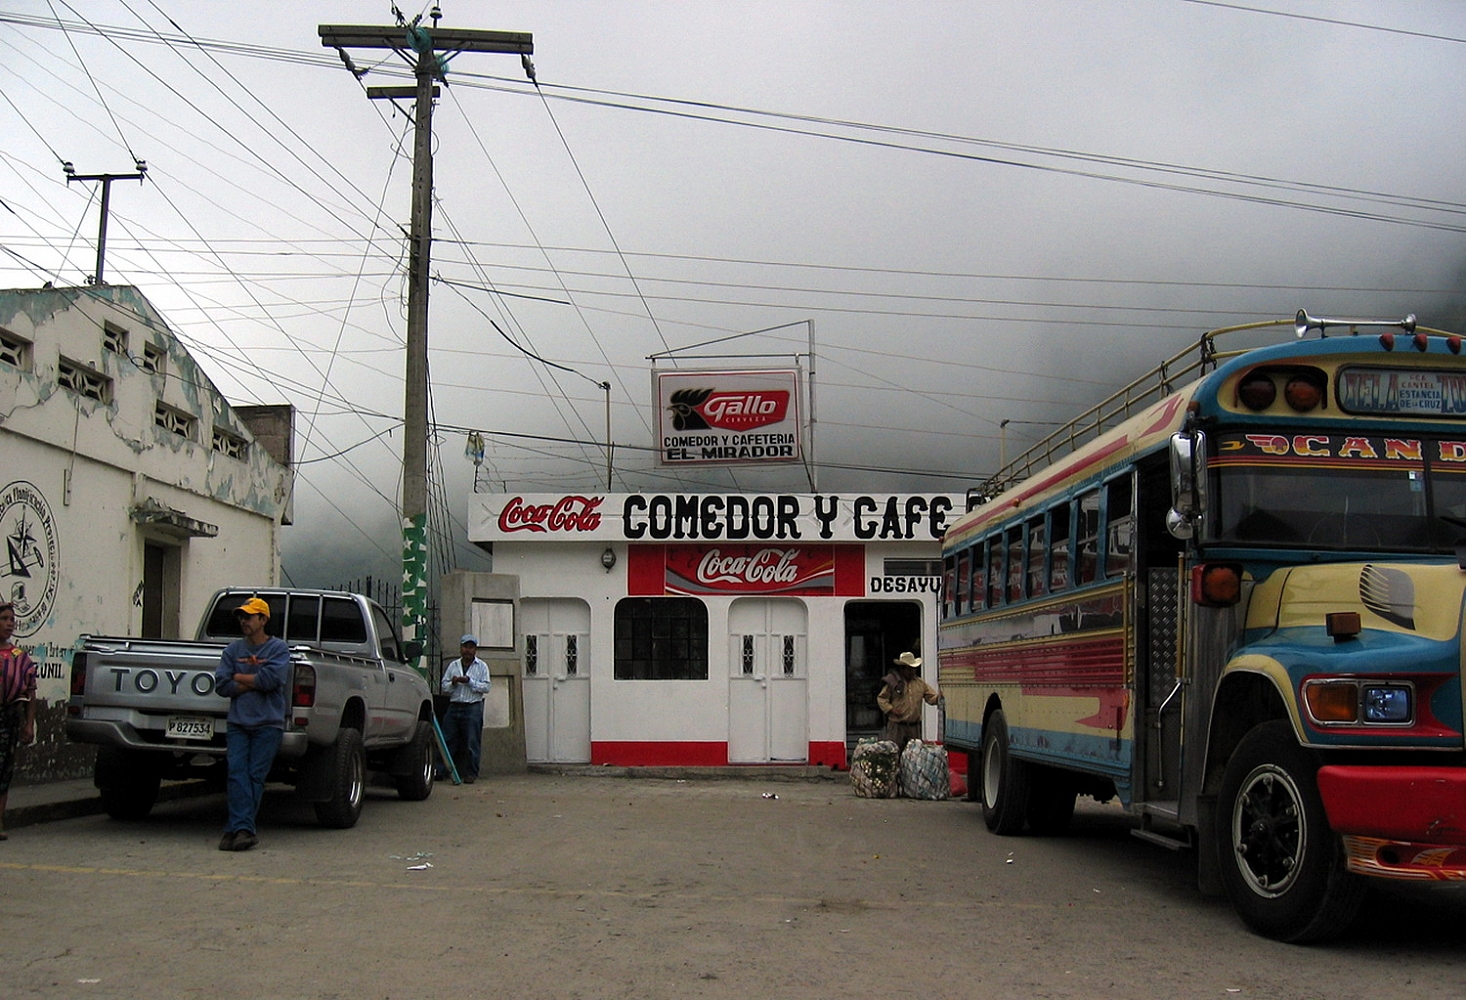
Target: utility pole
{"x":428,"y":50}
{"x":106,"y":179}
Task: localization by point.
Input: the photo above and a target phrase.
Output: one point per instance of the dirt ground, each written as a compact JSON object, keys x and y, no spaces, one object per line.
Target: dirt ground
{"x":576,"y":887}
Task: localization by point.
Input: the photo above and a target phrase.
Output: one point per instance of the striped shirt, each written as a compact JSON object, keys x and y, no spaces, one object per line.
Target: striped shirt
{"x":17,"y":676}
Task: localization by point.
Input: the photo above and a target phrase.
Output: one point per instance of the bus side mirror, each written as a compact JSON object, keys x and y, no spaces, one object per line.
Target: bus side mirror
{"x":1188,"y":483}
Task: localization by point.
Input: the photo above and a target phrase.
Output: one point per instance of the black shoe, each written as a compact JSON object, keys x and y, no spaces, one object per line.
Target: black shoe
{"x":244,"y":840}
{"x":226,"y":842}
{"x":469,"y":779}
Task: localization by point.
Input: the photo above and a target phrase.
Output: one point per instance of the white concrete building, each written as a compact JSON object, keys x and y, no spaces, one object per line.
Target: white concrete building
{"x":131,"y":489}
{"x":709,"y":629}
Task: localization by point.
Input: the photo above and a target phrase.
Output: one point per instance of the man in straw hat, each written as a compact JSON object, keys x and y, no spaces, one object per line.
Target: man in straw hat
{"x":901,"y":699}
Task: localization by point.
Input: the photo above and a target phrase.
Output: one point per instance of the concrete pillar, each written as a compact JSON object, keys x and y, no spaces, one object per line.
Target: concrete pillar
{"x":487,"y":605}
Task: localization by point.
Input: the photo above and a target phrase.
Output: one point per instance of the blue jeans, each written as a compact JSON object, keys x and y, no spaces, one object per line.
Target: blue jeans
{"x":251,"y":752}
{"x":463,"y":730}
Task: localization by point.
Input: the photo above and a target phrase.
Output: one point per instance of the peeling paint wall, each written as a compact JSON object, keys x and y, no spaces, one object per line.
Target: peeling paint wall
{"x":93,"y":488}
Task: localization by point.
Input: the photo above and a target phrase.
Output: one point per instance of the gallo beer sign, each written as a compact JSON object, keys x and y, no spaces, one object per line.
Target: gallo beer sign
{"x":727,"y":417}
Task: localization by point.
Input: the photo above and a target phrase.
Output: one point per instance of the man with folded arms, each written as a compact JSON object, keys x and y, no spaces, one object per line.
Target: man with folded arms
{"x":253,"y":673}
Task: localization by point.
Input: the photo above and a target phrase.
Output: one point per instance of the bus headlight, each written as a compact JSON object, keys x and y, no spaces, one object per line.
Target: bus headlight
{"x":1387,"y":705}
{"x":1336,"y":701}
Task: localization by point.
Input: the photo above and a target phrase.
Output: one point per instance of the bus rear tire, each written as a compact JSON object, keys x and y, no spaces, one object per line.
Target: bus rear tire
{"x":1283,"y":868}
{"x":1005,"y":781}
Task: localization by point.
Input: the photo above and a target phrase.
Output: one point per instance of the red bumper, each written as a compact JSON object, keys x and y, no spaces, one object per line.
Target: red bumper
{"x":1399,"y":822}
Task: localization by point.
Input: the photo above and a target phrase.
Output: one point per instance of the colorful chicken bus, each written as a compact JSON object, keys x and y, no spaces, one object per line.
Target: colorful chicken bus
{"x":1231,"y":597}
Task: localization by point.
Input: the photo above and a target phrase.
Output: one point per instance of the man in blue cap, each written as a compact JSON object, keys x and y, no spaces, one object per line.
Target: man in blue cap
{"x":465,"y":682}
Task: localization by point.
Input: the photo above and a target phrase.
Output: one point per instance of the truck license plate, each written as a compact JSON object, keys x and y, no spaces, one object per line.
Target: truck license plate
{"x":187,"y":727}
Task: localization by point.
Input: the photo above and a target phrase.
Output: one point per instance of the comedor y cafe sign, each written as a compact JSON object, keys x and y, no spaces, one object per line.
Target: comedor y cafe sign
{"x":732,"y":517}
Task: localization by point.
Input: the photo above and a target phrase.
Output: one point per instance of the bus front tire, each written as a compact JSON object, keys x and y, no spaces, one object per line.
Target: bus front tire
{"x":1005,"y":781}
{"x":1283,"y":867}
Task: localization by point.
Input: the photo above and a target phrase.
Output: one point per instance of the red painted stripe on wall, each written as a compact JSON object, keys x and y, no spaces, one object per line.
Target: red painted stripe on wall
{"x":849,"y":574}
{"x":646,"y":570}
{"x":687,"y":753}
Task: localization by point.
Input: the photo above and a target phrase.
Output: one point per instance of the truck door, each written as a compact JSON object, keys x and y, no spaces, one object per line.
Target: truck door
{"x":403,"y":700}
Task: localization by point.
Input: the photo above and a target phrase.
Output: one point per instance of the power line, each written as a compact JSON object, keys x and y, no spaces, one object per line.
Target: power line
{"x":1326,"y":20}
{"x":762,"y":119}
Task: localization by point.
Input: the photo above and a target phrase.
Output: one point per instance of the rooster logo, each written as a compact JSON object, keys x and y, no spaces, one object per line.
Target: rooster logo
{"x":684,"y":415}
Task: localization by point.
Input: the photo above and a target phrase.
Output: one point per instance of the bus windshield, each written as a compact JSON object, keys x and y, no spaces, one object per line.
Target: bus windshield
{"x":1340,"y":491}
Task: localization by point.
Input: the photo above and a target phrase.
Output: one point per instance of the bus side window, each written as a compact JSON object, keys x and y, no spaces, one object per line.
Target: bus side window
{"x":1015,"y":563}
{"x":979,"y":577}
{"x":1037,"y":551}
{"x":1087,"y":532}
{"x":1120,"y":526}
{"x":1059,"y":548}
{"x":964,"y":581}
{"x":995,"y":571}
{"x":949,"y":585}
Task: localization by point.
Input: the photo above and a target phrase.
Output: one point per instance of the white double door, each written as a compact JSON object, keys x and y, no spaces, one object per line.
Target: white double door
{"x":556,"y":680}
{"x":768,"y":683}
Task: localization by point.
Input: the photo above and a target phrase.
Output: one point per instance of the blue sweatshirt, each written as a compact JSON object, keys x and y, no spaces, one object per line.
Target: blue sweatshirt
{"x":270,"y":663}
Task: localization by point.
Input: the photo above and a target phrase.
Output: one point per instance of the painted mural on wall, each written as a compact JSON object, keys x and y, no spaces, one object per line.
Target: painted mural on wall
{"x":29,"y":578}
{"x":32,"y":569}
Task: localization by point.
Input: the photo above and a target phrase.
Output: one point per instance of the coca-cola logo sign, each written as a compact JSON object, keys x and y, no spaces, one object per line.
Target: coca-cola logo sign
{"x":750,"y":569}
{"x":567,"y":514}
{"x":763,"y":567}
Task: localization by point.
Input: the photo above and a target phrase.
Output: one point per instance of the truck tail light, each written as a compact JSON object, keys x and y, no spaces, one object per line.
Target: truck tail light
{"x":78,"y":681}
{"x":303,"y":690}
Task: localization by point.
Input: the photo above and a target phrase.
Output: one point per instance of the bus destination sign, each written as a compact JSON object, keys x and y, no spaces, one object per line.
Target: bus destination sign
{"x":1410,"y":392}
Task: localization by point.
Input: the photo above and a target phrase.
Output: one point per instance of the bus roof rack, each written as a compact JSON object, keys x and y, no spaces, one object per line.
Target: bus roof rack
{"x":1159,"y":382}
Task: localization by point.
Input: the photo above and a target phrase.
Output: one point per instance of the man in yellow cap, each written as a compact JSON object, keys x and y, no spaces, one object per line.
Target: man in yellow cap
{"x":253,"y":673}
{"x":901,"y":699}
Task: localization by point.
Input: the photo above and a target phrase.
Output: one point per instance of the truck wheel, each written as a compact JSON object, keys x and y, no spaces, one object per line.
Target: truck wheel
{"x":347,"y":782}
{"x":417,"y":784}
{"x":1004,"y":780}
{"x":128,"y":783}
{"x":1051,"y":796}
{"x":1282,"y":866}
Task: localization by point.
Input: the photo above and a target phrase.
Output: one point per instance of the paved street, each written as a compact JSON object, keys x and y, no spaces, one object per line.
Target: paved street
{"x":546,"y":886}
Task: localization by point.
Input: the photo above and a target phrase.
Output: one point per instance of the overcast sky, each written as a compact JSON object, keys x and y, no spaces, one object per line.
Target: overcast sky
{"x":987,"y":211}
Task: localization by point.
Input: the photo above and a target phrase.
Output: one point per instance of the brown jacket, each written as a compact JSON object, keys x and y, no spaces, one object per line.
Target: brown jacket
{"x":902,"y":701}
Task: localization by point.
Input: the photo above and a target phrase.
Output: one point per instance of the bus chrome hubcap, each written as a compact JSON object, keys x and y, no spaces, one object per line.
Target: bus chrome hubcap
{"x":1269,"y":830}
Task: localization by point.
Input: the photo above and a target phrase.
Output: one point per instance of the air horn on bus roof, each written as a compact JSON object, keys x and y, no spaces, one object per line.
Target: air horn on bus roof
{"x":1303,"y":322}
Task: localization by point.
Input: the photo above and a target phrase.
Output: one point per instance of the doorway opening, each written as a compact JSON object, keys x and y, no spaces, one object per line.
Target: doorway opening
{"x":876,"y":632}
{"x":161,"y":590}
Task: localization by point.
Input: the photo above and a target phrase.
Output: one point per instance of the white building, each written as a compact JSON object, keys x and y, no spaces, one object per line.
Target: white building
{"x":708,"y":629}
{"x":131,"y":490}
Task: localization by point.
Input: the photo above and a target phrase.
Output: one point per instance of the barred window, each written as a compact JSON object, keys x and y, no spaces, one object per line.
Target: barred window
{"x":15,"y":351}
{"x":114,"y":338}
{"x":155,"y":359}
{"x":229,"y":444}
{"x":912,"y":567}
{"x":84,"y":381}
{"x":174,"y":420}
{"x":661,"y":638}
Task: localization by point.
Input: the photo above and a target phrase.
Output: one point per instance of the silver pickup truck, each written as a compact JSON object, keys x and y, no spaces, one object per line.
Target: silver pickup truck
{"x":354,"y":705}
